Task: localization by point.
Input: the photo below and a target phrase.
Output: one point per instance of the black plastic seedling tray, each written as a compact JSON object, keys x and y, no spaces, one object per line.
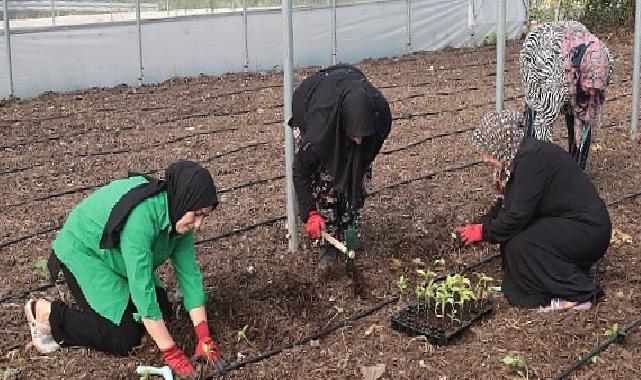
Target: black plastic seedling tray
{"x":411,"y":321}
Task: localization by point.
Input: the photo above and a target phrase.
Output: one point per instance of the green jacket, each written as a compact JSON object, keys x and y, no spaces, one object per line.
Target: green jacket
{"x":108,"y":277}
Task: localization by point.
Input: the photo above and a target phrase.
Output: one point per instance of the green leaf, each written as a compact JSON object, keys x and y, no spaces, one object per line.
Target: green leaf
{"x":41,"y":266}
{"x":508,"y":360}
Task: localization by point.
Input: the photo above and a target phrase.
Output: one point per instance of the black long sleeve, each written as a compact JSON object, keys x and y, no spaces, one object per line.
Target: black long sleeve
{"x":305,"y":165}
{"x":523,"y":194}
{"x":493,"y":212}
{"x":546,"y":183}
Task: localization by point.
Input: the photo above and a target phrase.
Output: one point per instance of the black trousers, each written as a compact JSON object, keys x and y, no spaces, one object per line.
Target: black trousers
{"x":82,"y":326}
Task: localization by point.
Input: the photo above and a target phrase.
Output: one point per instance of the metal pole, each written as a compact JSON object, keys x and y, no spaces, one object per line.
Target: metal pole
{"x":245,"y":44}
{"x":500,"y":54}
{"x":7,"y":45}
{"x":634,"y":128}
{"x":288,"y":90}
{"x":471,"y":22}
{"x":53,"y":12}
{"x":409,"y":26}
{"x":140,"y":76}
{"x":332,"y":30}
{"x":167,"y":7}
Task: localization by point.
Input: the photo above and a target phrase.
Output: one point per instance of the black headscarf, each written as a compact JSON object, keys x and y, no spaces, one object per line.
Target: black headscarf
{"x":189,"y":187}
{"x":333,"y":105}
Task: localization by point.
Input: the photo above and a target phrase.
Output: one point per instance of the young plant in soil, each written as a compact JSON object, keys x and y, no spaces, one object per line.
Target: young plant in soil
{"x":612,"y":331}
{"x":242,"y":335}
{"x":41,"y":266}
{"x":427,"y":285}
{"x":337,"y":311}
{"x":581,"y":352}
{"x":518,"y":364}
{"x":401,"y":284}
{"x":482,"y":289}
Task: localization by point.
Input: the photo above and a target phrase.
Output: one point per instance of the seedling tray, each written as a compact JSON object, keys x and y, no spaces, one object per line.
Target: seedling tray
{"x":412,"y":321}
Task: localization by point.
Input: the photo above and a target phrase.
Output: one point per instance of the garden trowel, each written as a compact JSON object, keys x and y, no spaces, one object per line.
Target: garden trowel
{"x":350,"y":242}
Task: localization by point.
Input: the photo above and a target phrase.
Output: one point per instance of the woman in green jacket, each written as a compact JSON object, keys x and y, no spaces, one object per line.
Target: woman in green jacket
{"x":108,"y":250}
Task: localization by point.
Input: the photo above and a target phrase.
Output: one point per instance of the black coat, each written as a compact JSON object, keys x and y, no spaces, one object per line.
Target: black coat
{"x":552,"y":225}
{"x":328,"y":107}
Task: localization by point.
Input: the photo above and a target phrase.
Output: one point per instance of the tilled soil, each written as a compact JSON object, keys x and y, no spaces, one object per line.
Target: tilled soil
{"x":58,"y":147}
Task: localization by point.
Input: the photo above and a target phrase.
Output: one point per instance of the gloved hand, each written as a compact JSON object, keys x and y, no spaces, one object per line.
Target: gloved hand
{"x":206,"y":347}
{"x":315,"y":224}
{"x":471,"y":233}
{"x":178,"y":362}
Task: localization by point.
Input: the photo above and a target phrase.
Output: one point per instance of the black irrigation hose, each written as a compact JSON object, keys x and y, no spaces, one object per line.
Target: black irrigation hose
{"x":262,"y":223}
{"x":242,"y":229}
{"x":328,"y":330}
{"x":122,"y":150}
{"x":190,"y":116}
{"x":618,"y":338}
{"x":90,"y":187}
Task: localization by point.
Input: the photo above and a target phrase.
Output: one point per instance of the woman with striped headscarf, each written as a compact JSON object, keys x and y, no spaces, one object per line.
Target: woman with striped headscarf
{"x":550,"y":222}
{"x":564,"y":68}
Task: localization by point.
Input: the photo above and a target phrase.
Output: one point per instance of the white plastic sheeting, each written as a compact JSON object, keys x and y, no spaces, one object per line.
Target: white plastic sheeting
{"x":70,"y":58}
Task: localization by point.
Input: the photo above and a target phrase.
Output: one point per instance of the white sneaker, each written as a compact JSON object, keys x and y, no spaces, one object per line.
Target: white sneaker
{"x":40,"y":331}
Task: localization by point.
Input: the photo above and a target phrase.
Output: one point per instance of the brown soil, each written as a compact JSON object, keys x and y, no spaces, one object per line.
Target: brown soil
{"x":57,"y":145}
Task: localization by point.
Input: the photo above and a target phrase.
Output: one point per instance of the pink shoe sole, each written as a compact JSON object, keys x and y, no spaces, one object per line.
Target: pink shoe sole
{"x":558,"y":304}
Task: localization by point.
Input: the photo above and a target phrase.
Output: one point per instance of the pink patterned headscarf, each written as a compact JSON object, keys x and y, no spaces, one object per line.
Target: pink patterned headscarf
{"x":592,"y":75}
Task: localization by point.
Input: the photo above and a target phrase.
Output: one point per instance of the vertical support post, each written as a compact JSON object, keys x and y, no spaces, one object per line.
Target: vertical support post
{"x":53,"y":12}
{"x":409,"y":26}
{"x":140,"y":75}
{"x":167,"y":7}
{"x":332,"y":30}
{"x":245,"y":43}
{"x":500,"y":54}
{"x":288,"y":90}
{"x":7,"y":45}
{"x":471,"y":22}
{"x":634,"y":125}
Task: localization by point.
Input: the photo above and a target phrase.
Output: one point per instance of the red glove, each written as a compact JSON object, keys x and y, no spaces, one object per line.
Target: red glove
{"x":178,"y":362}
{"x":315,"y":224}
{"x":471,"y":233}
{"x":206,"y":347}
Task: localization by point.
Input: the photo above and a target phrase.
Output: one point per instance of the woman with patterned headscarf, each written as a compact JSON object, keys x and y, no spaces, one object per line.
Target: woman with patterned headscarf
{"x":564,"y":68}
{"x":108,"y":251}
{"x":551,"y":223}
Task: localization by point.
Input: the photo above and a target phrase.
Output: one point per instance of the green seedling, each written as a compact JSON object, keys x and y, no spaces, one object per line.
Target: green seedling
{"x":401,"y":284}
{"x":518,"y":363}
{"x":242,"y":334}
{"x":456,"y":239}
{"x":440,"y":261}
{"x":483,"y":285}
{"x":337,"y":311}
{"x":612,"y":331}
{"x":428,"y":282}
{"x":145,"y":376}
{"x":580,"y":353}
{"x":41,"y":266}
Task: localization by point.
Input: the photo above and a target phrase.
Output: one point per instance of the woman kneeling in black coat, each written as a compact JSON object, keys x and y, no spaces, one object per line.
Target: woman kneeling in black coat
{"x":551,"y":223}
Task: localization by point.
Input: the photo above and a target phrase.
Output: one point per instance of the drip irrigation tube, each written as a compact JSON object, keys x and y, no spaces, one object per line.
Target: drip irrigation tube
{"x":328,"y":330}
{"x":90,"y":187}
{"x":122,"y":150}
{"x":259,"y":224}
{"x":15,"y":144}
{"x":618,"y":338}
